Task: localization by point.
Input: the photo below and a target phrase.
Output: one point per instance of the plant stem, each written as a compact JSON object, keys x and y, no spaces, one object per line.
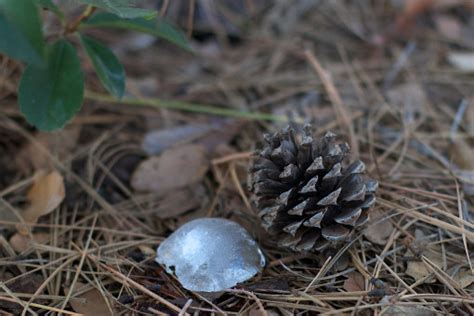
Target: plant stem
{"x":186,"y":106}
{"x":72,"y":27}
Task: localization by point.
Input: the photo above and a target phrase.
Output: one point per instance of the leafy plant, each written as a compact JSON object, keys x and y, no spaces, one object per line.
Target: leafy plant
{"x":51,"y":88}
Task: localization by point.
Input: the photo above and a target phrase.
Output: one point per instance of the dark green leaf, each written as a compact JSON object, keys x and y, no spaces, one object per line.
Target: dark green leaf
{"x":20,"y":31}
{"x":157,"y":27}
{"x":49,"y":4}
{"x":122,"y":8}
{"x":50,"y":96}
{"x":107,"y":66}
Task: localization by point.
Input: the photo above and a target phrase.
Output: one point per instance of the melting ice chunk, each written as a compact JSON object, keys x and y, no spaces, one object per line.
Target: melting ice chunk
{"x":210,"y":255}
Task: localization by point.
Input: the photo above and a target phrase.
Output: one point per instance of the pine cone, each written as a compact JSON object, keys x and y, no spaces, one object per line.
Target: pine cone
{"x":308,"y":195}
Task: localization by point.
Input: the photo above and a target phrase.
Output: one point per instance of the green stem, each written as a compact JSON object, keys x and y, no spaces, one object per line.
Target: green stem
{"x":185,"y":106}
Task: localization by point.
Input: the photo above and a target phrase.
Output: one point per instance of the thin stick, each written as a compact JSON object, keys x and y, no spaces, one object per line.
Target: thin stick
{"x":341,"y":113}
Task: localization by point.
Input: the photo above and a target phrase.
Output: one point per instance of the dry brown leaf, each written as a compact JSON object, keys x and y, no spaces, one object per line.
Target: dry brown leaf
{"x":180,"y":201}
{"x":354,"y":282}
{"x":401,"y":310}
{"x":418,"y":270}
{"x":409,"y":97}
{"x":379,"y":229}
{"x":44,"y":196}
{"x":21,"y":243}
{"x":461,"y":154}
{"x":90,"y":303}
{"x":464,"y":278}
{"x":449,"y":26}
{"x":28,"y":283}
{"x":175,"y":168}
{"x":60,"y":144}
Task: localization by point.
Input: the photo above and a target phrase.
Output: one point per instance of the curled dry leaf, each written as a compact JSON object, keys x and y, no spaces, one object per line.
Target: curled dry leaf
{"x":90,"y":303}
{"x":175,"y":168}
{"x":21,"y":243}
{"x":379,"y":229}
{"x":354,"y":282}
{"x":44,"y":196}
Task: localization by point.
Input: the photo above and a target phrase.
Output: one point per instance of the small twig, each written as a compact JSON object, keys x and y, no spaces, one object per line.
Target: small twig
{"x":45,"y":307}
{"x":342,"y":116}
{"x":257,"y":300}
{"x":458,"y":118}
{"x":122,"y":278}
{"x":231,"y":157}
{"x":185,"y":106}
{"x":185,"y":307}
{"x":192,"y":5}
{"x":72,"y":27}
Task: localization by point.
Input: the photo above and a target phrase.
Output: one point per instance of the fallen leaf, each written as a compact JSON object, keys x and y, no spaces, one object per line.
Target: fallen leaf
{"x":175,"y":168}
{"x":464,"y":278}
{"x":210,"y":135}
{"x":461,"y":154}
{"x":90,"y":303}
{"x":179,"y":202}
{"x":21,"y":243}
{"x":410,"y":97}
{"x":44,"y":196}
{"x":401,"y":310}
{"x":379,"y":229}
{"x":418,"y":270}
{"x":46,"y":193}
{"x":462,"y":60}
{"x":156,"y":141}
{"x":354,"y":282}
{"x":448,"y":26}
{"x":24,"y":284}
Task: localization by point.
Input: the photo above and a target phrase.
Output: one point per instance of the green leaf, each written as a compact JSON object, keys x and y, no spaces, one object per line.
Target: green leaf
{"x":107,"y":66}
{"x":50,"y":96}
{"x":122,"y":8}
{"x":20,"y":31}
{"x":156,"y":27}
{"x":49,"y":4}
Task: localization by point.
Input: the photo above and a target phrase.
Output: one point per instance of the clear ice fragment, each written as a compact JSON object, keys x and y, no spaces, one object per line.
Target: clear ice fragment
{"x":210,"y":255}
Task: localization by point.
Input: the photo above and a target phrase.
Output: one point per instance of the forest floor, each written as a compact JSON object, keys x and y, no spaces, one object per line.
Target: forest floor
{"x":394,"y":79}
